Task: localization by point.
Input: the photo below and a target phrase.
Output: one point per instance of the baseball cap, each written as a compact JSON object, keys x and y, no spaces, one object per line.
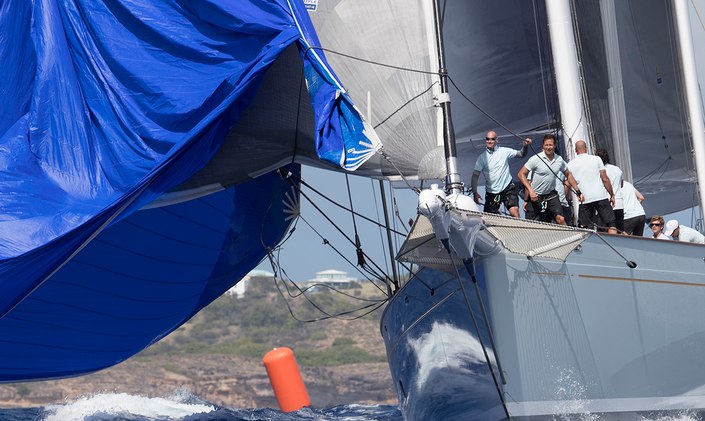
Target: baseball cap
{"x":671,"y":226}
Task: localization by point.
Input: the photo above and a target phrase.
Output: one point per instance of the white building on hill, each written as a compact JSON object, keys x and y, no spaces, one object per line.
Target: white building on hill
{"x":239,"y":289}
{"x":333,"y":278}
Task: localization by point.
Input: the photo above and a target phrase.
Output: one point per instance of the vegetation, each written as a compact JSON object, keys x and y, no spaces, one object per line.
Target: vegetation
{"x":252,"y":325}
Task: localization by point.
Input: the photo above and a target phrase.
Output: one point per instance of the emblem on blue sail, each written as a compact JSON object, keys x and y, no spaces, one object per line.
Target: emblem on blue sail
{"x":342,"y":136}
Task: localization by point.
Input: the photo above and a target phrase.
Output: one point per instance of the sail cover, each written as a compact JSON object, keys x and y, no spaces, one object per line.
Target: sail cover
{"x":107,"y":105}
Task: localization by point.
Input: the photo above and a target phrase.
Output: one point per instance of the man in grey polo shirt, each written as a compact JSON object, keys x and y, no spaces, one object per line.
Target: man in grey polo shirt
{"x":545,"y":168}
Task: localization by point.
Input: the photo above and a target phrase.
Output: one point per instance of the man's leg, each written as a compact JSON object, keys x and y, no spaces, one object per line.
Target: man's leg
{"x":604,"y":210}
{"x":511,"y":200}
{"x":554,"y":209}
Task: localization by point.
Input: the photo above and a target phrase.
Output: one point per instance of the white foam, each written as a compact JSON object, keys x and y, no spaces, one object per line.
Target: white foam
{"x":446,"y":346}
{"x":123,"y":404}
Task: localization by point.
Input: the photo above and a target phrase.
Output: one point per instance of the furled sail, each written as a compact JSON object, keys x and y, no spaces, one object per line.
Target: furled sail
{"x":106,"y":106}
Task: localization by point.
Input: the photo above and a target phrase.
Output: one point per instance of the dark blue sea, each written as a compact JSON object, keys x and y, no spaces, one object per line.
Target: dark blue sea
{"x":185,"y":407}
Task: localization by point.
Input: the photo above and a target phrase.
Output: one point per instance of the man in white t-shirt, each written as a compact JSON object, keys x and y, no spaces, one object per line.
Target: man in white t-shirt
{"x":634,"y":214}
{"x":616,"y":177}
{"x":545,"y":167}
{"x":682,"y":233}
{"x":493,"y":164}
{"x":589,"y":171}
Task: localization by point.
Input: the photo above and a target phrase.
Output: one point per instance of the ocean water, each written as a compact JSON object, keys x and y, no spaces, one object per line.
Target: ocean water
{"x":183,"y":406}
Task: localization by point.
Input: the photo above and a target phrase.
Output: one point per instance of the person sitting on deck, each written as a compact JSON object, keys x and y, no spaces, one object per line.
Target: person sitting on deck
{"x":682,"y":233}
{"x":656,"y":224}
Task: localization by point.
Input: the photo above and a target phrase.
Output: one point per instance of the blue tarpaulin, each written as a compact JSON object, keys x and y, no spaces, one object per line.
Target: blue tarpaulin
{"x":105,"y":105}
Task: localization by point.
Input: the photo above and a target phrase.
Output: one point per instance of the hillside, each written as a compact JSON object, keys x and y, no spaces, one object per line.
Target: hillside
{"x":217,"y":355}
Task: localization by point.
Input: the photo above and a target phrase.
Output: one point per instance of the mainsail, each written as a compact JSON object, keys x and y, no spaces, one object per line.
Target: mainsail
{"x":501,"y":67}
{"x":385,"y":54}
{"x":657,"y":127}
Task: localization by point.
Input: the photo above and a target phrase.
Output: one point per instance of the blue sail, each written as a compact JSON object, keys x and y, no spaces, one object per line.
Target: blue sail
{"x":141,"y":278}
{"x":107,"y":109}
{"x":107,"y":105}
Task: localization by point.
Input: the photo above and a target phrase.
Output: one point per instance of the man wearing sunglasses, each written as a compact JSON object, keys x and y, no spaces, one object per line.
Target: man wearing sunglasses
{"x":493,"y":163}
{"x":656,"y":224}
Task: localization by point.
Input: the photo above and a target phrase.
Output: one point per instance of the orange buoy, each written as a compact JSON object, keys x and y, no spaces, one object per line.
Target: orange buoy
{"x":286,"y":380}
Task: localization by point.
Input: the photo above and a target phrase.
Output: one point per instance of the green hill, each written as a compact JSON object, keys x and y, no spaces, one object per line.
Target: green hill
{"x":262,"y":320}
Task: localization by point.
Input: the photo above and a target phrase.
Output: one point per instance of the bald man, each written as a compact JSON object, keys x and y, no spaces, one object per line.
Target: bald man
{"x":594,"y":184}
{"x":493,"y":164}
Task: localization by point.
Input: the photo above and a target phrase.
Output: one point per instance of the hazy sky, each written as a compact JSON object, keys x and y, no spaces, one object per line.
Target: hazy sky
{"x":304,"y":253}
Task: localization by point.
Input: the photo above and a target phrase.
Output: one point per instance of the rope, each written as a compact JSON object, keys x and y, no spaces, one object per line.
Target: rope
{"x":358,"y":244}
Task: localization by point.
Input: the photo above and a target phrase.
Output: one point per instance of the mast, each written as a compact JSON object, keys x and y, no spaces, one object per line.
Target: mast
{"x":692,"y":94}
{"x":453,"y":183}
{"x":618,"y":114}
{"x":565,"y":61}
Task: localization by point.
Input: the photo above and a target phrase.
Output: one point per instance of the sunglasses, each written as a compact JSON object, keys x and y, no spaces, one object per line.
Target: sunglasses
{"x":490,"y":138}
{"x":655,"y":225}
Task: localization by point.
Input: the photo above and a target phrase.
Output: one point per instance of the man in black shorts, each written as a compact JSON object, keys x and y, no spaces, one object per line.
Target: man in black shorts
{"x":589,"y":171}
{"x":545,"y":167}
{"x":493,"y":164}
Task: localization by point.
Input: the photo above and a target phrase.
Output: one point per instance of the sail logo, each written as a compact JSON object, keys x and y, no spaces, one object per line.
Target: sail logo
{"x":311,"y":5}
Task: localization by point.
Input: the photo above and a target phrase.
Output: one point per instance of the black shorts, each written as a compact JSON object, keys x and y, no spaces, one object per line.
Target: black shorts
{"x":568,"y":215}
{"x":587,"y":213}
{"x":635,"y":226}
{"x":546,"y":207}
{"x":508,"y":196}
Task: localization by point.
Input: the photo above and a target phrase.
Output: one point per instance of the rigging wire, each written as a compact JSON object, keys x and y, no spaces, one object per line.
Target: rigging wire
{"x":412,"y":99}
{"x":379,"y":228}
{"x":326,"y":242}
{"x":386,"y":277}
{"x":370,"y":220}
{"x":373,"y":304}
{"x":541,"y":63}
{"x":697,"y":13}
{"x":371,"y":307}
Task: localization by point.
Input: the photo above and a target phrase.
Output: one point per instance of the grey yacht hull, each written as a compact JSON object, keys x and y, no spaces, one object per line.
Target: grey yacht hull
{"x":588,"y":335}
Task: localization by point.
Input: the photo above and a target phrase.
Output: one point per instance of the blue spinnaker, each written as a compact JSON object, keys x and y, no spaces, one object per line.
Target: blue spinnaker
{"x":108,"y":104}
{"x":141,"y":278}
